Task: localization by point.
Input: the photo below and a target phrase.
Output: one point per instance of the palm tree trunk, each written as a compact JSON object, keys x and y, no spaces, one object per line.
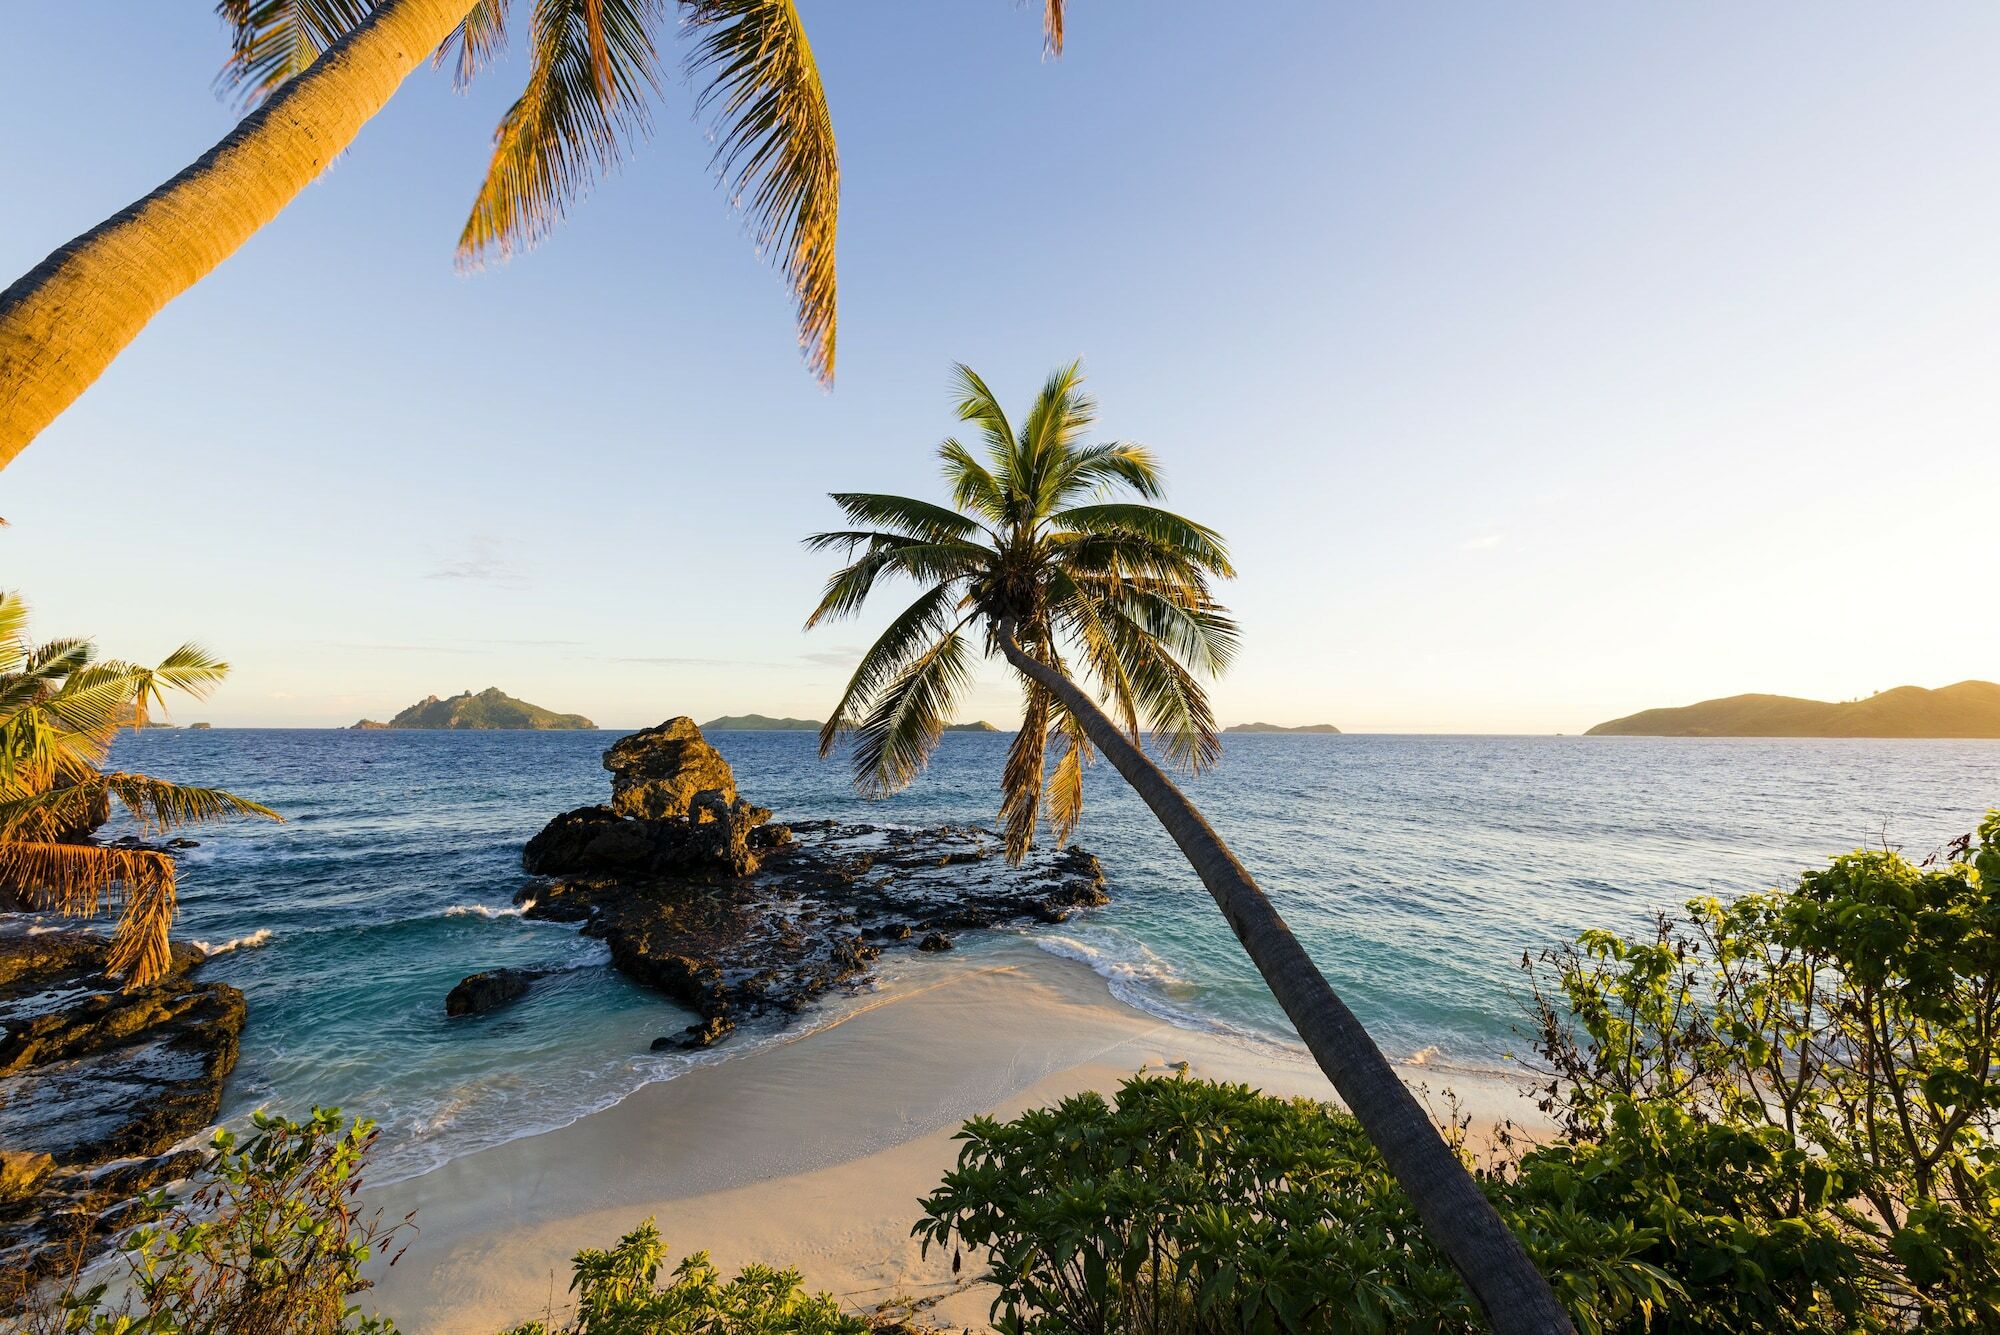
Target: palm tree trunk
{"x":1495,"y":1267}
{"x":63,"y":323}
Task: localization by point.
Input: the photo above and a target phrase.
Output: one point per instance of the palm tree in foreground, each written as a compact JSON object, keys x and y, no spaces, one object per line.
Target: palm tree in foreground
{"x":1037,"y":562}
{"x":318,"y":70}
{"x":60,"y":708}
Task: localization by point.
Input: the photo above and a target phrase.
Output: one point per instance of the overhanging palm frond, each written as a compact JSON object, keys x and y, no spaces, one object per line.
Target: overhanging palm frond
{"x":889,"y":554}
{"x":79,"y":880}
{"x":1021,"y":778}
{"x":1066,"y":780}
{"x":159,"y":805}
{"x":273,"y":41}
{"x":1183,"y":538}
{"x":1052,"y":26}
{"x":775,"y":149}
{"x":476,"y":43}
{"x":572,"y":123}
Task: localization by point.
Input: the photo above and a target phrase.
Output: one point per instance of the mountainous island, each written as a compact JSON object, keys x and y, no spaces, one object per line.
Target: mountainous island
{"x":1273,"y":727}
{"x":490,"y":709}
{"x":765,"y":723}
{"x":1969,"y":709}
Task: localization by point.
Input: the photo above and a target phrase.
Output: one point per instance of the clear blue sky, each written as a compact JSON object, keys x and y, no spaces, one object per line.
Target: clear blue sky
{"x":1542,"y":362}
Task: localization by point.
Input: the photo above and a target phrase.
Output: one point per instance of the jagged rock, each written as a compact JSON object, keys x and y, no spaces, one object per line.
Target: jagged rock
{"x":656,"y":773}
{"x":102,"y":1083}
{"x":935,"y":942}
{"x":815,"y":916}
{"x":704,"y":1035}
{"x":21,"y":1171}
{"x":482,"y":992}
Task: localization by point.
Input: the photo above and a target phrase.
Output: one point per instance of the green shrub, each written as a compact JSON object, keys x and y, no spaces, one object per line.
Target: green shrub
{"x":1798,"y":1093}
{"x":618,"y":1293}
{"x":1188,"y":1206}
{"x":270,"y":1242}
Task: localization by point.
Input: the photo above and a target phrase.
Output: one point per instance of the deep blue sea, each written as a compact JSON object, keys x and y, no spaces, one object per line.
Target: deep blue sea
{"x":1416,"y":869}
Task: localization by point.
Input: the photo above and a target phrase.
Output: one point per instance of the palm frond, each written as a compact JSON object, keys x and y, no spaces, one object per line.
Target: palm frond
{"x":1061,"y":412}
{"x":972,"y":486}
{"x":976,"y":403}
{"x":13,"y":631}
{"x":894,"y":742}
{"x":159,"y":805}
{"x":849,"y":587}
{"x":906,"y":515}
{"x":1052,"y":26}
{"x":273,"y":41}
{"x":1021,"y":777}
{"x":775,"y":149}
{"x":1102,"y":466}
{"x":570,"y":125}
{"x":79,"y":880}
{"x":923,"y":620}
{"x":1066,"y":780}
{"x":1185,"y":539}
{"x":477,"y":42}
{"x":1174,"y":706}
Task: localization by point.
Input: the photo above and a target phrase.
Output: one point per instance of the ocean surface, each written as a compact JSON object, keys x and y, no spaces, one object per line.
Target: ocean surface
{"x":1416,"y":869}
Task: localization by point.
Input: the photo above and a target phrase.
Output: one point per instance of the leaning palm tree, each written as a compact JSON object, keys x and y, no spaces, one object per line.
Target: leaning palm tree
{"x":317,"y":70}
{"x":60,"y":708}
{"x":1040,"y":561}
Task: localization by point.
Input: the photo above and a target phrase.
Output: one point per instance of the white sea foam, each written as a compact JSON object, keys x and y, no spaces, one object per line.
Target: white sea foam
{"x":488,"y":911}
{"x":1145,"y":982}
{"x":248,"y":941}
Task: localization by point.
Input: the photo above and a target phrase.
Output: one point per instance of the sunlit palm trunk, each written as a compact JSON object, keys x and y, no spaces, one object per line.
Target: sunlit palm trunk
{"x":1495,"y":1267}
{"x":63,"y":323}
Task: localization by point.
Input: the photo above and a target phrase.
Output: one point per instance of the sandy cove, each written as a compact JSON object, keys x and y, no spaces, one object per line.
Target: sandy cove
{"x":811,"y":1152}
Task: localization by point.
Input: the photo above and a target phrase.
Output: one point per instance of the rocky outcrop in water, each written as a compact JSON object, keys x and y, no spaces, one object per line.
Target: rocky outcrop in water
{"x":97,"y":1086}
{"x":732,"y":915}
{"x":482,"y":992}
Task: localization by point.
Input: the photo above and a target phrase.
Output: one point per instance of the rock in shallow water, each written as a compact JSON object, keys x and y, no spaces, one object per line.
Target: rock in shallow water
{"x":655,"y":774}
{"x":481,"y":992}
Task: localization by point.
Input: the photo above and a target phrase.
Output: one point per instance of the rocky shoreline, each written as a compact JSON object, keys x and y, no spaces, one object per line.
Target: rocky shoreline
{"x":97,"y":1088}
{"x":702,"y":897}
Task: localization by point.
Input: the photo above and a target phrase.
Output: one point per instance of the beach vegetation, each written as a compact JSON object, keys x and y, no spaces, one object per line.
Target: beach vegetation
{"x":618,"y":1291}
{"x":271,"y":1241}
{"x":316,"y":71}
{"x":1776,"y":1115}
{"x":1051,"y":556}
{"x":61,"y":706}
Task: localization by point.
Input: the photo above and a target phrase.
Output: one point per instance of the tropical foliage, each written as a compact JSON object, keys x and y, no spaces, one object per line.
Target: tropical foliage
{"x":1798,"y":1092}
{"x":1778,"y":1115}
{"x":60,"y":707}
{"x":594,"y":70}
{"x":1049,"y":541}
{"x":271,"y":1241}
{"x":1183,"y":1207}
{"x":618,"y":1292}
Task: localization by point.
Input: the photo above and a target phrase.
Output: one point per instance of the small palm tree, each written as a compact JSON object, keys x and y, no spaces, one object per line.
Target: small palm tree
{"x":317,"y":70}
{"x":60,"y":708}
{"x":1036,"y":561}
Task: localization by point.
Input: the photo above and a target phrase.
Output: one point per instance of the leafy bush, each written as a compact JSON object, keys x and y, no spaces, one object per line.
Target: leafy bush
{"x":618,"y":1293}
{"x":271,"y":1242}
{"x":1188,"y":1206}
{"x":1798,"y":1093}
{"x":1778,"y":1115}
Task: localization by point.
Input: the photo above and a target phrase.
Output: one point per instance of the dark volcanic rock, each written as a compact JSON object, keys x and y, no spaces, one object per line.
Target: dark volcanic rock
{"x":482,"y":992}
{"x":714,"y":836}
{"x":816,"y":915}
{"x":656,"y":774}
{"x":704,"y":1035}
{"x":104,"y":1083}
{"x":935,"y":942}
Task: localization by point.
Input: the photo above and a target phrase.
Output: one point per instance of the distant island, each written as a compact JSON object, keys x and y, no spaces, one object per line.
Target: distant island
{"x":980,"y":726}
{"x":760,"y":723}
{"x":1969,"y":709}
{"x":490,"y":709}
{"x":1273,"y":727}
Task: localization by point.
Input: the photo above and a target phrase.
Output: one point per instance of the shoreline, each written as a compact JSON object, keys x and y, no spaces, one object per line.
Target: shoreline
{"x":812,"y":1150}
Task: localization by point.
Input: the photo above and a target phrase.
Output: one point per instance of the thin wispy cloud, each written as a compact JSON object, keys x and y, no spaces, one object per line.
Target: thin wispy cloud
{"x":484,"y":562}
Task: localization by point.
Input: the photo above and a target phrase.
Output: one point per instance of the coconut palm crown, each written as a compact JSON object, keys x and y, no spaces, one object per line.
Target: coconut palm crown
{"x":1042,"y":544}
{"x":60,"y":707}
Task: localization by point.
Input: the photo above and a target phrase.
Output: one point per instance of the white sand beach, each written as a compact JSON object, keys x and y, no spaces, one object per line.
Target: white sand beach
{"x":811,"y":1152}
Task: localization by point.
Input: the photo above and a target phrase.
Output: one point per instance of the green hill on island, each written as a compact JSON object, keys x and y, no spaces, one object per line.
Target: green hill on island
{"x":1274,"y":727}
{"x":490,"y":709}
{"x":760,"y":723}
{"x":980,"y":726}
{"x":1969,"y":709}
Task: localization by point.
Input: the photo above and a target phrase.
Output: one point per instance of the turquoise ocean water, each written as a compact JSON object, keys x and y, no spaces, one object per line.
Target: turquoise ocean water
{"x":1416,"y":869}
